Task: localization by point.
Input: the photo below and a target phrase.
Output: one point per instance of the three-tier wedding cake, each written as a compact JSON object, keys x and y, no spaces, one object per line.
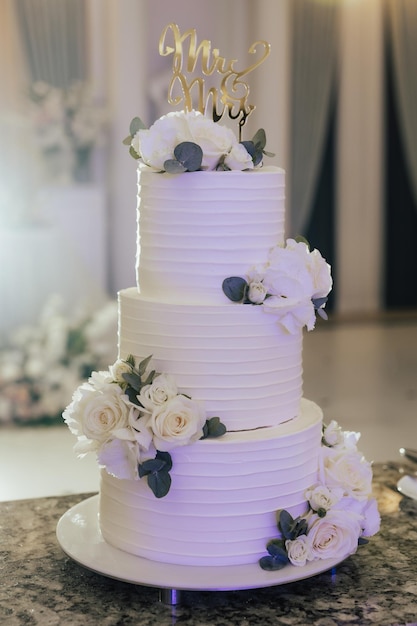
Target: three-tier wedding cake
{"x":210,"y":455}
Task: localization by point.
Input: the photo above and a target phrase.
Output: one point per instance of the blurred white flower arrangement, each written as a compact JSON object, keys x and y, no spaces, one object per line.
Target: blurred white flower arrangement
{"x":42,"y":364}
{"x":68,"y":124}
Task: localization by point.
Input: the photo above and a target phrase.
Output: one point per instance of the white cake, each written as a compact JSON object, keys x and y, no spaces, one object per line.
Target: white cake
{"x":213,"y":330}
{"x":193,"y":231}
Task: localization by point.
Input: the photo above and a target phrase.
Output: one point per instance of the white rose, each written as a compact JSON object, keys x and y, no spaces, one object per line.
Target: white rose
{"x":350,"y":440}
{"x":100,"y":380}
{"x":73,"y":414}
{"x":214,"y":140}
{"x":299,"y":550}
{"x":257,"y":292}
{"x":347,"y":469}
{"x":291,"y":314}
{"x":120,"y":458}
{"x":239,"y":158}
{"x":321,"y":497}
{"x":321,"y":274}
{"x":256,"y":273}
{"x":156,"y":144}
{"x":372,"y":518}
{"x":287,"y":273}
{"x":119,"y":368}
{"x":162,"y":389}
{"x":139,"y":424}
{"x":368,"y":511}
{"x":96,"y":414}
{"x":333,"y":434}
{"x":178,"y":422}
{"x":290,"y":283}
{"x":335,"y":535}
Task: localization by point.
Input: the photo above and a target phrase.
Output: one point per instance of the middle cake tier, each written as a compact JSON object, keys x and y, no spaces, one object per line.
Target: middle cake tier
{"x":235,"y":358}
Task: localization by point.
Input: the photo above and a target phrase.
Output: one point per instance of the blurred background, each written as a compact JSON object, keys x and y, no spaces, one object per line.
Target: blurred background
{"x":337,"y":98}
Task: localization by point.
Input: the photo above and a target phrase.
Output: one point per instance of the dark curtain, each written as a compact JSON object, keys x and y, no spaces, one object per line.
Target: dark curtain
{"x":400,"y":243}
{"x":320,"y":231}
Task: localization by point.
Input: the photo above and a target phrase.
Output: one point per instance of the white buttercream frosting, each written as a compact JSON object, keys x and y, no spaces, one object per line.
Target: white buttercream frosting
{"x":195,"y":229}
{"x":234,"y":357}
{"x":221,"y":508}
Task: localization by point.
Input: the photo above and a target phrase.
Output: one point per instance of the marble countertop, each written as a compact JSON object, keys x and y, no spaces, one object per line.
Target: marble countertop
{"x":40,"y":585}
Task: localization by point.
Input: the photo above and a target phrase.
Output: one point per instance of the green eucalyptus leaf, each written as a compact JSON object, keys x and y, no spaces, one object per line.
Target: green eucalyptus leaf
{"x":268,"y":154}
{"x":149,"y":379}
{"x":269,"y":564}
{"x":190,"y":155}
{"x":249,"y":146}
{"x":322,"y":313}
{"x":166,"y":458}
{"x":259,"y":139}
{"x":235,"y":288}
{"x":133,"y":153}
{"x":151,"y":466}
{"x":301,"y":239}
{"x":276,"y":548}
{"x":127,"y":141}
{"x":133,"y":380}
{"x":213,"y":428}
{"x":135,"y":125}
{"x":131,"y":360}
{"x":286,"y":524}
{"x":132,"y":394}
{"x":172,"y":166}
{"x":319,"y":302}
{"x":300,"y":527}
{"x":143,"y":365}
{"x":257,"y":157}
{"x":160,"y":483}
{"x":255,"y":152}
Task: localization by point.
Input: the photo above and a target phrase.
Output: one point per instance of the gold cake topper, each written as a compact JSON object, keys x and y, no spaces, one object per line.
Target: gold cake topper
{"x":232,"y":94}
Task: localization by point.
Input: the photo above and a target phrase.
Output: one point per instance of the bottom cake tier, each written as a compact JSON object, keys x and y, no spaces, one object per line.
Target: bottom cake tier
{"x":224,"y":498}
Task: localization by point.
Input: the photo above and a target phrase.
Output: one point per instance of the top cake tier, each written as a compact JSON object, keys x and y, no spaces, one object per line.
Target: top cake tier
{"x":198,"y":228}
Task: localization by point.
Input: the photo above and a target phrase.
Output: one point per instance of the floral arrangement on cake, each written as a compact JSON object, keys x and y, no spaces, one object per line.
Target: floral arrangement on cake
{"x":132,"y":416}
{"x":42,"y":363}
{"x":293,"y":285}
{"x":189,"y":141}
{"x":341,"y":514}
{"x":68,"y":125}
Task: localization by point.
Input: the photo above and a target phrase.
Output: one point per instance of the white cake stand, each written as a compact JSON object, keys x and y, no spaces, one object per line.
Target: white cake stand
{"x":79,"y":536}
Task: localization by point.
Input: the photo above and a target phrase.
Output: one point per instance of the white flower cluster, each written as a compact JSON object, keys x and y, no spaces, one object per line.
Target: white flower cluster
{"x":68,"y":124}
{"x":218,"y":143}
{"x":42,"y":363}
{"x":342,"y":509}
{"x":124,"y":431}
{"x":290,"y":283}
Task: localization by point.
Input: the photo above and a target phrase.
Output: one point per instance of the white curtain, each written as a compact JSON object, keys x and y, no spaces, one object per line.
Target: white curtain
{"x":314,"y":58}
{"x":403,"y":32}
{"x":53,"y":34}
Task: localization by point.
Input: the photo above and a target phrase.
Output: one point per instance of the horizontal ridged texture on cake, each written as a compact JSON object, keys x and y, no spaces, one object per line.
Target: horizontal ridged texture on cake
{"x":196,"y":229}
{"x":225,"y":493}
{"x":233,"y":357}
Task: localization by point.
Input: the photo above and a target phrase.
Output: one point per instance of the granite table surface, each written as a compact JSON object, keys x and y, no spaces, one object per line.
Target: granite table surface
{"x":41,"y":585}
